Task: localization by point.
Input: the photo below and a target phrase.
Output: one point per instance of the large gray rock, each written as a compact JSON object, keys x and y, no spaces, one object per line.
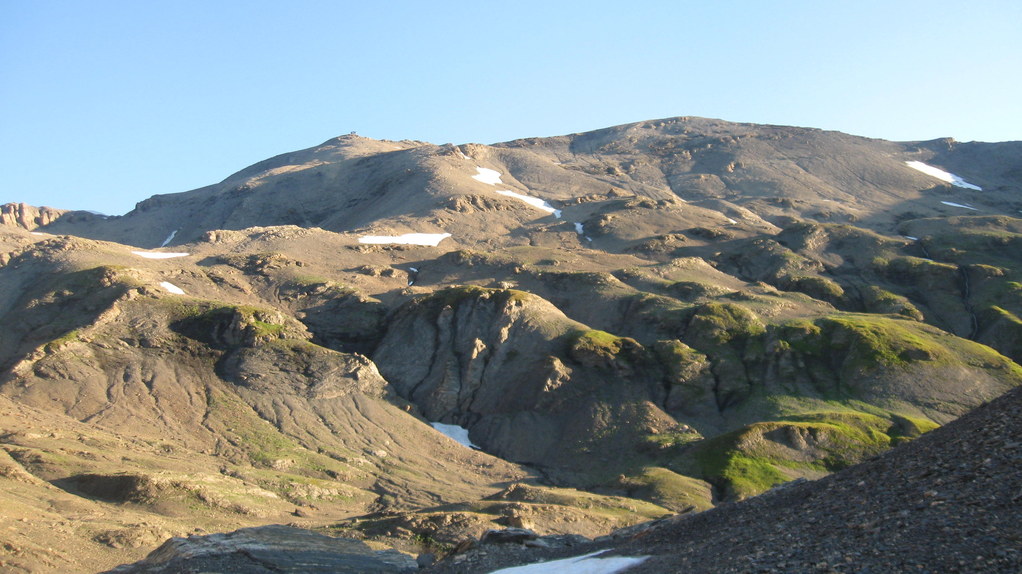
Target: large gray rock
{"x":275,"y":548}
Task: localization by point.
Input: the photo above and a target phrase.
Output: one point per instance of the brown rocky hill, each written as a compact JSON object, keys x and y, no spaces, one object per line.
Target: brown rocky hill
{"x":648,"y":319}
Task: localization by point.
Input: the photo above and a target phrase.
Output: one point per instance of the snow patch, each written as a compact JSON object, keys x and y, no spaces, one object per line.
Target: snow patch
{"x":462,"y":154}
{"x":169,"y":238}
{"x":455,"y":432}
{"x":170,"y":287}
{"x":942,"y":175}
{"x":40,"y":233}
{"x":953,"y":204}
{"x":581,"y":231}
{"x":430,"y":239}
{"x":910,"y":238}
{"x":585,"y":564}
{"x":533,"y":201}
{"x":157,"y":255}
{"x":732,"y":220}
{"x":490,"y":176}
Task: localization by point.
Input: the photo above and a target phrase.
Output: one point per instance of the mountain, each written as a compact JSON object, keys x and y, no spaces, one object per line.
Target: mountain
{"x":641,"y":321}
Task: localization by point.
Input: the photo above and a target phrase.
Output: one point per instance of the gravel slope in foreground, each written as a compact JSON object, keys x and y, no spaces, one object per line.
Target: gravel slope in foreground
{"x":950,"y":501}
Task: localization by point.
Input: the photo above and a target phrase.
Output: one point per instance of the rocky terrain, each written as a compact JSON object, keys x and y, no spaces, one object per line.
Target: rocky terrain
{"x":948,"y":502}
{"x":644,"y":321}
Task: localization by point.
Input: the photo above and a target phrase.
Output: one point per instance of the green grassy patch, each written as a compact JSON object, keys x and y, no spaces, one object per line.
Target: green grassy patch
{"x":602,"y":350}
{"x":715,"y":324}
{"x":264,"y":445}
{"x":873,"y":340}
{"x":453,"y":296}
{"x":680,"y":362}
{"x":855,"y":342}
{"x":666,"y":440}
{"x":668,"y":489}
{"x":756,"y":457}
{"x":262,"y":442}
{"x":966,"y":246}
{"x":617,"y":507}
{"x":738,"y":474}
{"x":596,"y":341}
{"x":229,"y":325}
{"x":909,"y":268}
{"x":816,"y":287}
{"x":906,"y":428}
{"x":882,"y":301}
{"x":69,"y":337}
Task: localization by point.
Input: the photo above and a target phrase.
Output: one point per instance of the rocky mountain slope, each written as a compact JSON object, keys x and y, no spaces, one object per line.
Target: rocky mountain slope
{"x":639,"y":321}
{"x":948,"y":502}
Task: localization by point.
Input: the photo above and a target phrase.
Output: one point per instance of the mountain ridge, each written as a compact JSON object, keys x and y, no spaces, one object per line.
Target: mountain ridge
{"x":651,"y":318}
{"x":711,"y":152}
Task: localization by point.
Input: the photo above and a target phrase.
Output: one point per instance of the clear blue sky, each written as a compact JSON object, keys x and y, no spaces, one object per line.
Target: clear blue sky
{"x":106,"y":103}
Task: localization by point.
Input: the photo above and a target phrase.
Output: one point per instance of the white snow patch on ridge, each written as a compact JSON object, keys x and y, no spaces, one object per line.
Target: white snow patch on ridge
{"x":158,"y":255}
{"x":533,"y":201}
{"x":490,"y":176}
{"x":430,"y":239}
{"x":942,"y":175}
{"x":455,"y":432}
{"x":585,"y":564}
{"x":952,"y":204}
{"x":169,"y":238}
{"x":170,"y":287}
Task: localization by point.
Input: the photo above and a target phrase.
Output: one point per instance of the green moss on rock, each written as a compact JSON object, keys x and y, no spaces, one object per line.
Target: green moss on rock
{"x":715,"y":324}
{"x":816,"y":287}
{"x":453,"y":296}
{"x":759,"y":456}
{"x":882,"y":301}
{"x":232,"y":325}
{"x":600,"y":349}
{"x":668,"y":489}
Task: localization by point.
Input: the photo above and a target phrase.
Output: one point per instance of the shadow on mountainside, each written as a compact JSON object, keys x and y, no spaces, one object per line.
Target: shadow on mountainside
{"x":946,"y":502}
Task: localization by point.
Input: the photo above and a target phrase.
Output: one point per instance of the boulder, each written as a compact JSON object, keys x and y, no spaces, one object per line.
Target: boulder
{"x":275,"y":548}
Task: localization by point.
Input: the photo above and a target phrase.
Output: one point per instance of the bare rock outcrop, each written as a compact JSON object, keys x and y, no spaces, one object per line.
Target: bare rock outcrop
{"x":520,"y":375}
{"x":275,"y":548}
{"x":454,"y":352}
{"x":28,"y":217}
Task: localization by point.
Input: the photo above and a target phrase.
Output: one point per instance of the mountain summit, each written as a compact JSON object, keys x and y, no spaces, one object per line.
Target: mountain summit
{"x":411,"y":343}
